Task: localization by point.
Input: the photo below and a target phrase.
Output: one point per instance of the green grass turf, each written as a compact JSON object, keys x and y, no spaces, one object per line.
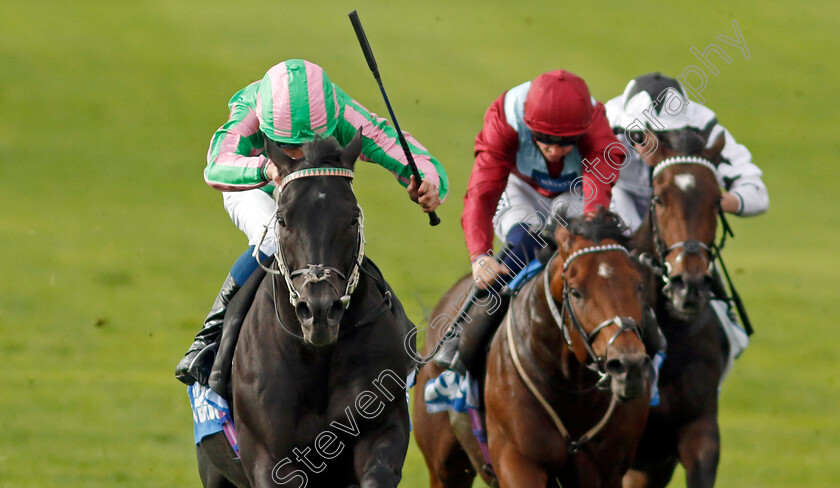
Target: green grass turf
{"x":113,"y":247}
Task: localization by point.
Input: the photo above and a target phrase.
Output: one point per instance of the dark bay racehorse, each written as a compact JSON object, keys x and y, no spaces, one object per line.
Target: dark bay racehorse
{"x":319,"y":369}
{"x":676,"y":243}
{"x":566,"y":389}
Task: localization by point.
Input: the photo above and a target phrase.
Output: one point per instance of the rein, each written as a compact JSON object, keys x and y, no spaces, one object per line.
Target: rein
{"x":574,"y":445}
{"x":597,"y":364}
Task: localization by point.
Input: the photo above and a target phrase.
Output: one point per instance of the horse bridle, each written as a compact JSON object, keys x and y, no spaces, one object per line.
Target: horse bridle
{"x":314,"y":273}
{"x":690,"y":246}
{"x":624,"y":324}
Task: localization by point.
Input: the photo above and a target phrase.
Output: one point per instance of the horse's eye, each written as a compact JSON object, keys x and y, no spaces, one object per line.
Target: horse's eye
{"x":575,"y":293}
{"x":657,"y":200}
{"x":281,"y":221}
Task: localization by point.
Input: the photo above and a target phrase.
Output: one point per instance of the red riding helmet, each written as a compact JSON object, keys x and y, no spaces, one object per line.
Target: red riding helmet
{"x":559,"y":104}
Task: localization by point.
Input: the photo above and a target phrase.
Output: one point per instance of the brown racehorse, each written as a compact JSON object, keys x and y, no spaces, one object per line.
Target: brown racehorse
{"x":566,"y":389}
{"x":677,"y":244}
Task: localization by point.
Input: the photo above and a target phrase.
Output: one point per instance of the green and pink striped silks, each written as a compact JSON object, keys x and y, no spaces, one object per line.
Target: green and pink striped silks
{"x":293,"y":103}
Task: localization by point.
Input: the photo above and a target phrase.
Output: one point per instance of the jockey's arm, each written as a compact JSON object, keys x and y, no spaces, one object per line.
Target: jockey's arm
{"x":381,"y":145}
{"x":744,"y":192}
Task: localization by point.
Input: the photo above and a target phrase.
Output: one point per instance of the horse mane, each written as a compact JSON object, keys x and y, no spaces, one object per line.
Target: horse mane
{"x":603,"y":225}
{"x":689,"y":142}
{"x":322,"y":151}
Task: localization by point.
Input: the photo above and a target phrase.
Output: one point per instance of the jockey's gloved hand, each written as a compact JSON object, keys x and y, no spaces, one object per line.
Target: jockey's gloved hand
{"x":202,"y":363}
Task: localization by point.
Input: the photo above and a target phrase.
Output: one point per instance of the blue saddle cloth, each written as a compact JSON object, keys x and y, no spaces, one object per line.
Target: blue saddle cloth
{"x":451,"y":391}
{"x":211,"y":414}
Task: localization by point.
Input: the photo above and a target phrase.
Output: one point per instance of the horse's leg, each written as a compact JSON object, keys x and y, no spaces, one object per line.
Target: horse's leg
{"x":217,"y":466}
{"x":653,"y":478}
{"x":448,"y":464}
{"x":515,"y":470}
{"x":699,"y":450}
{"x":378,"y":456}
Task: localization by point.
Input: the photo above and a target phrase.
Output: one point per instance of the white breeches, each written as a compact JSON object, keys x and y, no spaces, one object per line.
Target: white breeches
{"x":250,"y":211}
{"x":520,"y":203}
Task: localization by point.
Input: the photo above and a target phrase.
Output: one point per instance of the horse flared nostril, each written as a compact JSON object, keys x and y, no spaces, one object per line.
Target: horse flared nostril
{"x":615,"y":367}
{"x":303,"y":312}
{"x":335,"y":312}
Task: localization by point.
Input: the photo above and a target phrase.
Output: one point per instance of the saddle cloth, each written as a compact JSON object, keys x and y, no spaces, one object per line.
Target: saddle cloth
{"x":211,"y":414}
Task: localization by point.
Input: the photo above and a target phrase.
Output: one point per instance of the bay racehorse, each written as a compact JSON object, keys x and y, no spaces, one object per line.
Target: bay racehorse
{"x":318,"y":376}
{"x":676,"y":245}
{"x":567,"y":383}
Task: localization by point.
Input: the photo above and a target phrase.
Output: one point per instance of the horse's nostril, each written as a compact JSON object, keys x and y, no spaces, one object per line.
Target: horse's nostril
{"x":303,"y":312}
{"x":336,"y":310}
{"x":615,"y":367}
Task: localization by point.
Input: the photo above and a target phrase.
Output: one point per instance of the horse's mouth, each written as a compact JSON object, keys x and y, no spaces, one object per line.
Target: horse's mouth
{"x":629,"y":376}
{"x":321,"y":335}
{"x":629,"y":391}
{"x":685,"y":311}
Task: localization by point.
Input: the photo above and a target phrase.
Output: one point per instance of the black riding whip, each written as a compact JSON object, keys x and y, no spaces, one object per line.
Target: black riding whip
{"x":360,"y":34}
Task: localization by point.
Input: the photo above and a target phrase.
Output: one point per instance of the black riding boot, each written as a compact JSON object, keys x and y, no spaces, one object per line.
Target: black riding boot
{"x":478,"y":320}
{"x":197,"y":363}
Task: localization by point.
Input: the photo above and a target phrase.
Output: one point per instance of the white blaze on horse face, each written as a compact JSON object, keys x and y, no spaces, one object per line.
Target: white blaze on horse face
{"x":684,"y":182}
{"x":321,"y":196}
{"x":605,"y":271}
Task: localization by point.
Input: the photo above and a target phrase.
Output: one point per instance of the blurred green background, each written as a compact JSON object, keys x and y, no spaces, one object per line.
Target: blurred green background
{"x":113,"y":247}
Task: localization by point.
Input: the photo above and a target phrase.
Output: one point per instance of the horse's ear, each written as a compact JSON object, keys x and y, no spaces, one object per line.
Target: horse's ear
{"x":277,"y":156}
{"x":655,"y":149}
{"x":564,"y":238}
{"x":713,"y":153}
{"x":352,"y":150}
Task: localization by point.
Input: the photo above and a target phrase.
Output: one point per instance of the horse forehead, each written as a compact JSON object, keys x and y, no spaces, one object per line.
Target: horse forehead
{"x":606,"y":264}
{"x":605,"y":270}
{"x":685,"y":181}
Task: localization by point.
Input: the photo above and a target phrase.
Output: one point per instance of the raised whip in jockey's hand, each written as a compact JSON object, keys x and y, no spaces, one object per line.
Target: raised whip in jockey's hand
{"x":292,"y":104}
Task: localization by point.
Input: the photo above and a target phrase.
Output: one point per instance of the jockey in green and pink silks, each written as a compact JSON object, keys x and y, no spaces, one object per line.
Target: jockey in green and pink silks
{"x":293,"y":103}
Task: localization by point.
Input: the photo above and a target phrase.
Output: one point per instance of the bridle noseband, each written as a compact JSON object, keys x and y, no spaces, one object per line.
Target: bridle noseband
{"x":314,"y":273}
{"x":625,"y":324}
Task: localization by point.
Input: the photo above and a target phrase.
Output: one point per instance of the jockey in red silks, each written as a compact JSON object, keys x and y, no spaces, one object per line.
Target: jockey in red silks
{"x":546,"y":147}
{"x":293,"y":103}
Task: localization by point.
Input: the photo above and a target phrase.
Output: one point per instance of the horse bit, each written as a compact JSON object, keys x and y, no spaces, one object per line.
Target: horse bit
{"x":314,"y":273}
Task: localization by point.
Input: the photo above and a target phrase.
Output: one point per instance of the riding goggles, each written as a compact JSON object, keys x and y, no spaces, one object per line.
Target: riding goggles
{"x":555,"y":140}
{"x":636,"y":137}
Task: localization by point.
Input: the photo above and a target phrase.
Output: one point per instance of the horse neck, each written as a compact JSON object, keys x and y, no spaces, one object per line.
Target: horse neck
{"x":642,"y":239}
